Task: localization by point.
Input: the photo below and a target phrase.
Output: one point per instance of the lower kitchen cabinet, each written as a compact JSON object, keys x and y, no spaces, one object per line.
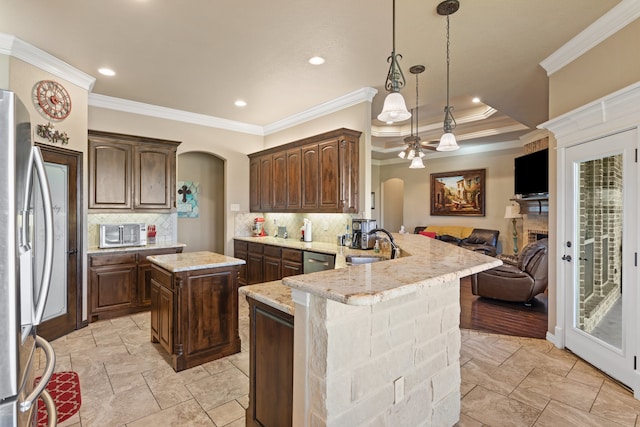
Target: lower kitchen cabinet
{"x":271,"y":366}
{"x":112,"y":281}
{"x":194,"y":314}
{"x":291,"y":262}
{"x":119,"y":282}
{"x":266,"y":262}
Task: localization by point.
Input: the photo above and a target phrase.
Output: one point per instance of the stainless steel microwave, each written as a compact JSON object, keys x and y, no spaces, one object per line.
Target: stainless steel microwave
{"x":122,"y":235}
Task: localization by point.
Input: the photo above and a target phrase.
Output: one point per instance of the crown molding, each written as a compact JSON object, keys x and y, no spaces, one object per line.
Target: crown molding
{"x":609,"y":114}
{"x":340,"y":103}
{"x":124,"y":105}
{"x":398,"y":131}
{"x":608,"y":24}
{"x":127,"y":106}
{"x":463,"y":151}
{"x":12,"y":46}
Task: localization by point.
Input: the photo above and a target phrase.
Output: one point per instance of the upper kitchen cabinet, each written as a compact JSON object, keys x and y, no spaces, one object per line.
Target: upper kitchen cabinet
{"x":131,"y":173}
{"x":315,"y":174}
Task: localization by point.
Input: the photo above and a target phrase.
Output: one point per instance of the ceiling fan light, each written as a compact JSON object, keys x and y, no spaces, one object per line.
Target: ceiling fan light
{"x":412,"y":154}
{"x":448,"y":143}
{"x":402,"y":154}
{"x":394,"y":109}
{"x":420,"y":153}
{"x":416,"y":163}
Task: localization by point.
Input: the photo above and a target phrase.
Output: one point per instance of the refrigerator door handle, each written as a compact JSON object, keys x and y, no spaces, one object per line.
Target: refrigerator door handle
{"x":52,"y":413}
{"x":48,"y":245}
{"x":26,"y":404}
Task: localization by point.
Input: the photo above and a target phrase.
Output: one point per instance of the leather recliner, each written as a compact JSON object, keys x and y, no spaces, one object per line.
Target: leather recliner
{"x":480,"y":240}
{"x":519,"y":279}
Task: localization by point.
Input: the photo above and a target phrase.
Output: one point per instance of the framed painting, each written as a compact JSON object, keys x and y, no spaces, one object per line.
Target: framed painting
{"x":459,"y":193}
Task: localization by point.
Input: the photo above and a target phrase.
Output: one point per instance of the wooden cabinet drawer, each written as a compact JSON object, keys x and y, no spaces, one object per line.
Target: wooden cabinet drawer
{"x":240,"y":246}
{"x":272,"y":251}
{"x":255,"y":248}
{"x":112,"y":259}
{"x":294,"y":255}
{"x":161,"y":276}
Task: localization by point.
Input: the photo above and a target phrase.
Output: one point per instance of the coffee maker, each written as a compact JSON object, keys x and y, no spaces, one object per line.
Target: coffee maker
{"x":361,"y":238}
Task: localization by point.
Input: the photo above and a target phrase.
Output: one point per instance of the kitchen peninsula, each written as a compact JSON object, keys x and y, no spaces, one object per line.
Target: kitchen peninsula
{"x":377,"y":344}
{"x":194,"y":306}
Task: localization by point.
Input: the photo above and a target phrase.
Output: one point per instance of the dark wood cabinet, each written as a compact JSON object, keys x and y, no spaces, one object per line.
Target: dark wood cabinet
{"x":254,"y":187}
{"x":280,"y":183}
{"x":255,"y":263}
{"x":241,"y":251}
{"x":272,"y":261}
{"x":131,"y":173}
{"x":195,"y":314}
{"x":291,"y":262}
{"x":110,"y":173}
{"x":270,"y":366}
{"x":119,"y":283}
{"x":154,"y":176}
{"x":144,"y":274}
{"x":112,"y":281}
{"x":162,"y":308}
{"x":294,"y":179}
{"x":266,"y":182}
{"x":266,"y":262}
{"x":316,"y":174}
{"x":309,"y":156}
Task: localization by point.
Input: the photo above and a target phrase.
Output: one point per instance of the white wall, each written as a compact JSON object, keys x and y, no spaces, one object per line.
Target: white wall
{"x":499,"y":189}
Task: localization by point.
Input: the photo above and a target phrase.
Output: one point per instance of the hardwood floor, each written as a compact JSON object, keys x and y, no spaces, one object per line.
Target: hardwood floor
{"x":502,"y":317}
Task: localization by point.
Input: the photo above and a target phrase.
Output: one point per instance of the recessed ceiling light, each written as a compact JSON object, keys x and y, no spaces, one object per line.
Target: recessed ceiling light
{"x":107,"y":72}
{"x":475,"y":100}
{"x":240,"y":103}
{"x":316,"y":60}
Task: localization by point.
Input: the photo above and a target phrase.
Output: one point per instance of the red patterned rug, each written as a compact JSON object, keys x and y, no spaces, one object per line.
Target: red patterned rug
{"x":64,"y":388}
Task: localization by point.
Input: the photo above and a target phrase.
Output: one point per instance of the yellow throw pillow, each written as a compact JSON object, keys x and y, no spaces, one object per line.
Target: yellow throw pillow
{"x":450,"y":230}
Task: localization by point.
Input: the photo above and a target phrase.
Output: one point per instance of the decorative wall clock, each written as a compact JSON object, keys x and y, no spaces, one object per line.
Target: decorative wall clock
{"x":52,"y":99}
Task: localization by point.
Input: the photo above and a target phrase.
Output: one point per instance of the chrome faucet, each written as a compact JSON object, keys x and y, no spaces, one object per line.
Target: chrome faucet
{"x":395,"y":250}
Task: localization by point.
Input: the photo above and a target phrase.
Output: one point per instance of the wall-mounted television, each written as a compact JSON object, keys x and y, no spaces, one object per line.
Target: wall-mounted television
{"x":531,"y":175}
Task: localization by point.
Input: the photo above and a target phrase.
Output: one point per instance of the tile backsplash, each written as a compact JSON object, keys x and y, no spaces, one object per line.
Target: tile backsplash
{"x":166,"y":225}
{"x":325,"y":226}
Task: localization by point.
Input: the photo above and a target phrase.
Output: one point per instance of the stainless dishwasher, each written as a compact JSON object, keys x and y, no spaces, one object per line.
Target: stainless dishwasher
{"x":315,"y":261}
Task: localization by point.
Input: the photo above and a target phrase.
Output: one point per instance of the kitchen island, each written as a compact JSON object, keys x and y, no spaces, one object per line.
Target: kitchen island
{"x":378,"y":344}
{"x":194,"y":306}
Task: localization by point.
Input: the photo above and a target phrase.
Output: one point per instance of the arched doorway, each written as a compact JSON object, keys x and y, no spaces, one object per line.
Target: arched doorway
{"x":202,"y":229}
{"x":392,"y":204}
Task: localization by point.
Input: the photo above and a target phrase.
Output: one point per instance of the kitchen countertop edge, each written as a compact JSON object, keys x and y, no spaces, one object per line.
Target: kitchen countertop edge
{"x":273,"y":294}
{"x":191,"y":261}
{"x":96,"y":250}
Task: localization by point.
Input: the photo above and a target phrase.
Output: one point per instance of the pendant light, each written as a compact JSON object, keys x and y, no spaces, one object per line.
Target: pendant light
{"x":448,"y":139}
{"x":413,"y":151}
{"x":394,"y":109}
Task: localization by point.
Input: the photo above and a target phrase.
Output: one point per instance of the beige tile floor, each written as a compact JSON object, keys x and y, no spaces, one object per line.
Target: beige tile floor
{"x":506,"y":381}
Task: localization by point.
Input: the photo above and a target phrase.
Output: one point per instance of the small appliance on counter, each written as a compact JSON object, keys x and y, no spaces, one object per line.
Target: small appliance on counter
{"x":122,"y":235}
{"x":257,"y":229}
{"x":361,"y":238}
{"x":151,"y":234}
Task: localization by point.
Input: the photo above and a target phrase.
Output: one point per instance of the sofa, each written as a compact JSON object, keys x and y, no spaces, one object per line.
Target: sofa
{"x":519,"y":279}
{"x":475,"y":239}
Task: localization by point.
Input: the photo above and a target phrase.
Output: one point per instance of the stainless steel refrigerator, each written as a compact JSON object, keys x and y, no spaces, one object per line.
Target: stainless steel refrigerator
{"x":26,"y":253}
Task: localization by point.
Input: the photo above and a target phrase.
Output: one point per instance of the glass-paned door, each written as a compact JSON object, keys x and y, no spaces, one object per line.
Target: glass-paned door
{"x":599,"y":253}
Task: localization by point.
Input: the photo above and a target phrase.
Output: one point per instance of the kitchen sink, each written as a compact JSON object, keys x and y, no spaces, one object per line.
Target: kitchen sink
{"x":364,"y":259}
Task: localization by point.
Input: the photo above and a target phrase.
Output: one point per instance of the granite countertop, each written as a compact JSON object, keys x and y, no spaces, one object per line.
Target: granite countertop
{"x":274,"y":294}
{"x":193,"y":261}
{"x":97,"y":250}
{"x":424,"y":262}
